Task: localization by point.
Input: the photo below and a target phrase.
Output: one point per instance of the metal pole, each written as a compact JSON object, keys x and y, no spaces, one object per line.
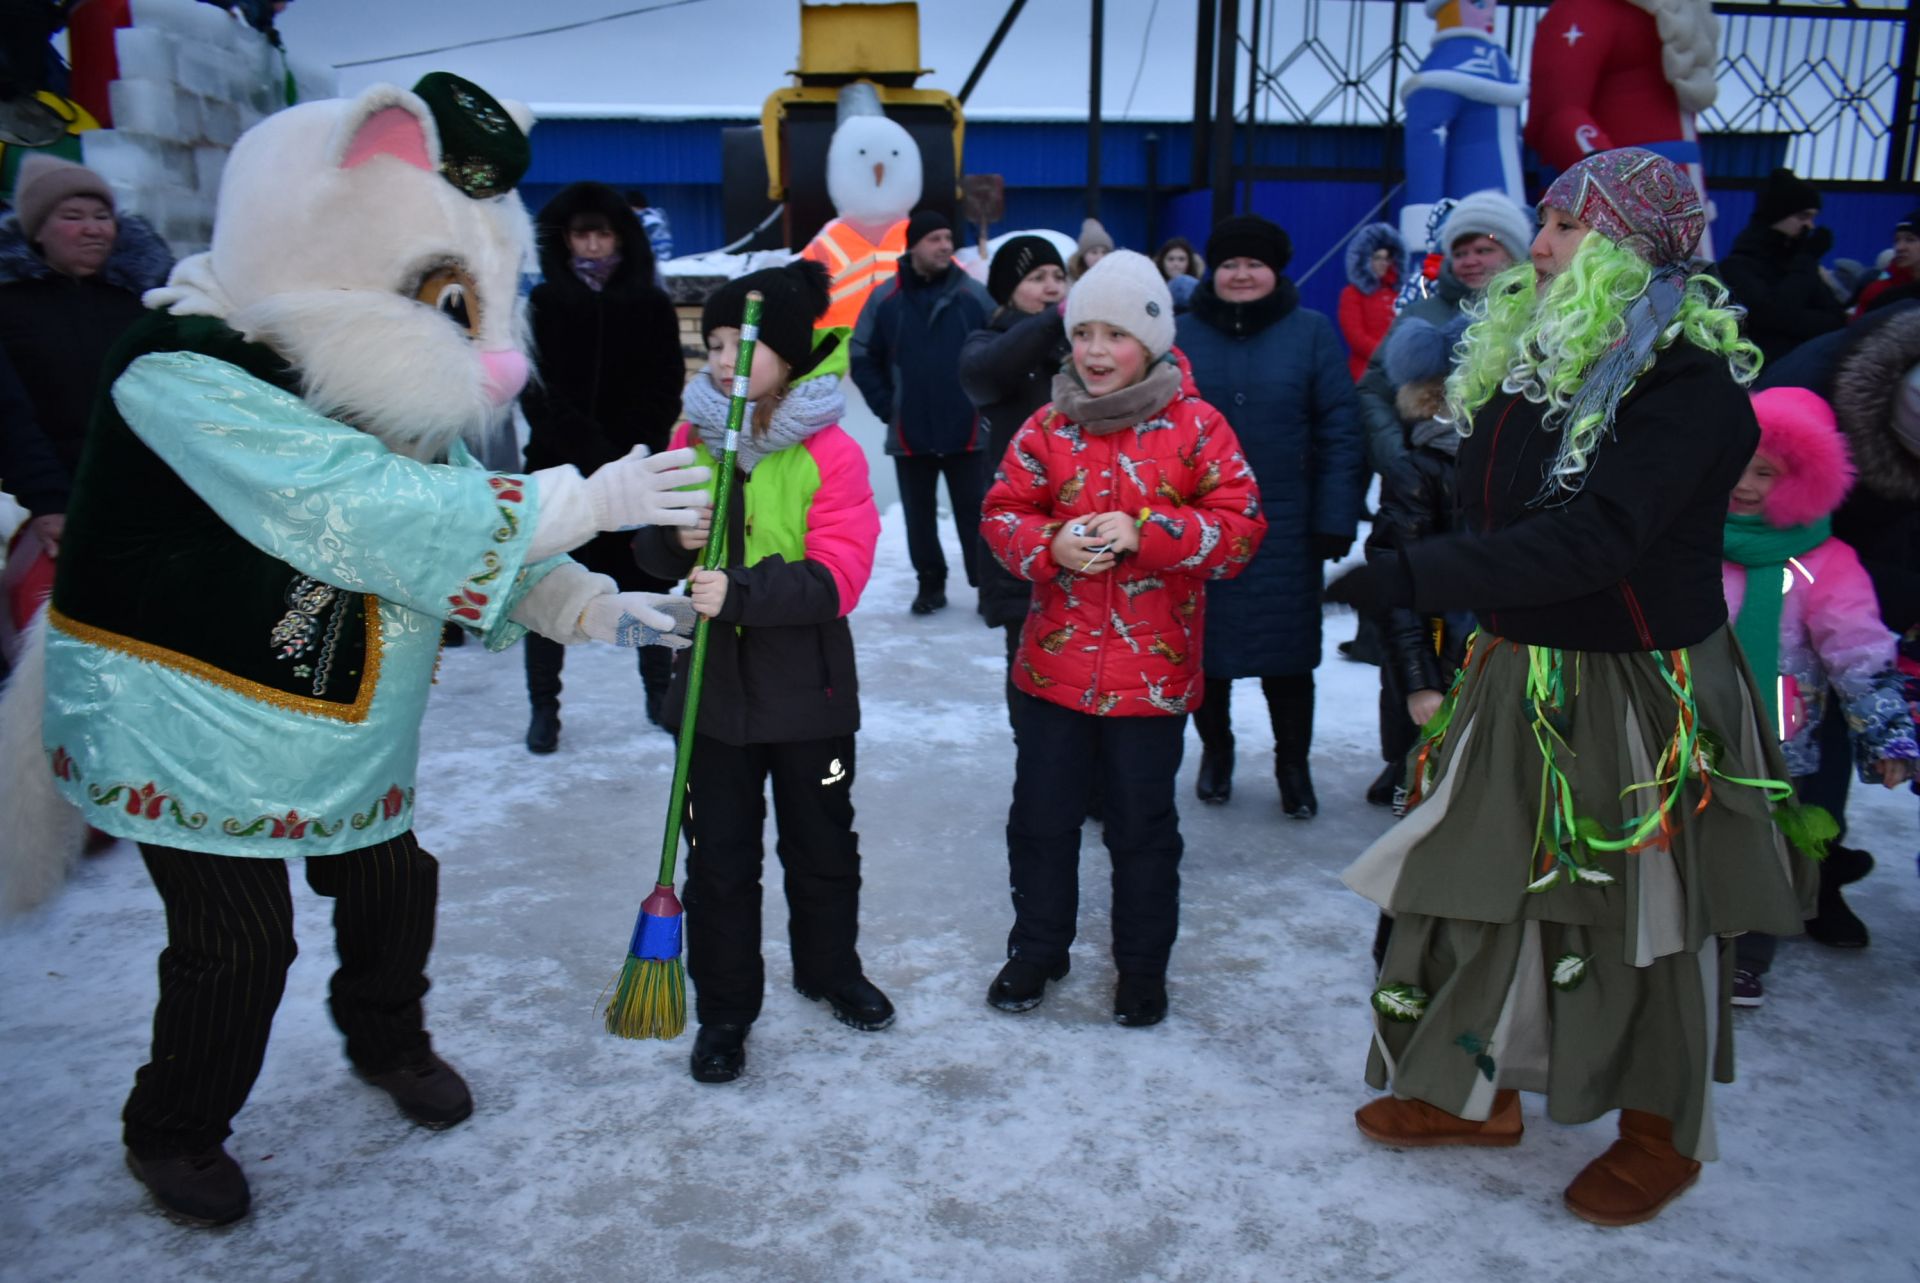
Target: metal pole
{"x":993,"y":47}
{"x":1906,"y":105}
{"x":1253,"y":96}
{"x":1390,"y":137}
{"x":1202,"y":93}
{"x":1093,"y":108}
{"x":1227,"y":64}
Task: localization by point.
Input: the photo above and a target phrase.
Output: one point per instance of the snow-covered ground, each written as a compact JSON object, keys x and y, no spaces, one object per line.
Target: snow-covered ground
{"x":961,"y":1144}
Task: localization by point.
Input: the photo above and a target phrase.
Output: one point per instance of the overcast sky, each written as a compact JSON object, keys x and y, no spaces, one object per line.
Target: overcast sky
{"x":732,"y":53}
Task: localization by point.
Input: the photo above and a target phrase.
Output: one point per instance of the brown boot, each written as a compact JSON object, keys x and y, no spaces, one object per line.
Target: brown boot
{"x":1414,"y":1123}
{"x":1638,"y":1175}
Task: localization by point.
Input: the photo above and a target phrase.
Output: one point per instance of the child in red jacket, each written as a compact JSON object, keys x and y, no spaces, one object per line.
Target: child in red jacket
{"x":1118,"y":501}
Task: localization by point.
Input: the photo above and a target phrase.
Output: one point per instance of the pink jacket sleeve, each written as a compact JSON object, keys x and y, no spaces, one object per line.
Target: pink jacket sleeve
{"x":843,"y":525}
{"x":1842,"y":618}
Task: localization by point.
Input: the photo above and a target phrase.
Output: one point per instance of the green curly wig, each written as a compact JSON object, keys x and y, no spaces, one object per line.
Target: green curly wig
{"x":1542,"y":347}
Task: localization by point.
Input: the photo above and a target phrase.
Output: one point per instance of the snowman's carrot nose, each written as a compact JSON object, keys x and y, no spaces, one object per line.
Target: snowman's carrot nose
{"x":879,"y":173}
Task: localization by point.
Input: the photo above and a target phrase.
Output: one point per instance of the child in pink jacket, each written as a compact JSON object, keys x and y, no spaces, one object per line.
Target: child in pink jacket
{"x":1805,"y":613}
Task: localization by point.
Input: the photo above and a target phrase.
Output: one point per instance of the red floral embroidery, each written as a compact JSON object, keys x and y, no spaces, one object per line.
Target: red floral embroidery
{"x":511,"y":489}
{"x":63,"y":767}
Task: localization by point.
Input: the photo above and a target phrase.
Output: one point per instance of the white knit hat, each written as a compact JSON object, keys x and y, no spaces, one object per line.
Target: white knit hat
{"x":1489,"y":213}
{"x":1125,"y":290}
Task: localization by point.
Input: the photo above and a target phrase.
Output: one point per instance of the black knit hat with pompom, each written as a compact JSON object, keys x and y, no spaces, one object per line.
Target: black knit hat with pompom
{"x":796,"y":296}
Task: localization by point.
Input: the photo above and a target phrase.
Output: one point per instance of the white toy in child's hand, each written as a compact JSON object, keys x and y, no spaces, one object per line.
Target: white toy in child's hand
{"x":634,"y":619}
{"x":648,"y":490}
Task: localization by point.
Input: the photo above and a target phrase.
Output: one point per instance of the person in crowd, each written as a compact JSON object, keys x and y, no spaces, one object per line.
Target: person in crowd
{"x":1183,"y":267}
{"x":1773,"y":269}
{"x":906,"y":361}
{"x":1366,"y":301}
{"x":607,"y":351}
{"x":1863,"y":371}
{"x":1596,"y":794}
{"x":1803,"y":608}
{"x":653,"y":221}
{"x":1902,"y":278}
{"x":1123,"y":502}
{"x":1007,"y":370}
{"x":1420,"y":652}
{"x":1094,"y":244}
{"x":72,"y":270}
{"x":780,"y":696}
{"x":1276,"y":371}
{"x":1483,"y":235}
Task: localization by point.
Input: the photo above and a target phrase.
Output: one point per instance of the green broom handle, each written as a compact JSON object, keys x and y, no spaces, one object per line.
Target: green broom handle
{"x":715,"y":555}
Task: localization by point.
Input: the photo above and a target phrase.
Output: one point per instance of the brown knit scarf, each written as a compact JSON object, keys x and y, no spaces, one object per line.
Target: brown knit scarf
{"x":1099,"y":415}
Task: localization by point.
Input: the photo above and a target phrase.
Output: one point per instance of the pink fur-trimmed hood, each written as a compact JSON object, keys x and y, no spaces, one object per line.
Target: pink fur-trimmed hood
{"x":1798,"y":433}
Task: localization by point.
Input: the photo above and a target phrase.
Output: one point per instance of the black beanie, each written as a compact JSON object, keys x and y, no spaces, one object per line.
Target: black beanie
{"x":924,"y":221}
{"x":1249,"y":236}
{"x":1785,"y":193}
{"x":1014,"y":259}
{"x":1910,"y":224}
{"x":795,"y":297}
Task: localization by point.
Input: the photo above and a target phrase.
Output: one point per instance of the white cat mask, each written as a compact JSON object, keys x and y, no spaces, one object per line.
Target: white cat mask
{"x":339,"y":243}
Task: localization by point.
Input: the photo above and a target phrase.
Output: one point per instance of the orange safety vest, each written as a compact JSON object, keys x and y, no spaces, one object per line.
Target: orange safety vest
{"x":855,"y":265}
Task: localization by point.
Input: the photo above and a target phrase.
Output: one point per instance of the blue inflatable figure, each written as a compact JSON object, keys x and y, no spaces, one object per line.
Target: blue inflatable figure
{"x":1463,"y":117}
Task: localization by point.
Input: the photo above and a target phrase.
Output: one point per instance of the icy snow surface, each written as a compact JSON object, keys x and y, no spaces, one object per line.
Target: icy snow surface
{"x":961,"y":1144}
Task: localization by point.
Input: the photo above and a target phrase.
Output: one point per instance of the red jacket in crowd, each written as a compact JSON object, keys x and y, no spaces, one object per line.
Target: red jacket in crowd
{"x":1126,"y":642}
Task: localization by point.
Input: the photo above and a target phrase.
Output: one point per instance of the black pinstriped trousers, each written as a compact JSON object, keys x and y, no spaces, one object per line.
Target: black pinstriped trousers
{"x":229,"y":944}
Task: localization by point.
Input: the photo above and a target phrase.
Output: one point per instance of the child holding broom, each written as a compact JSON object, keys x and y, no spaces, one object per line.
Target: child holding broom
{"x":779,"y":695}
{"x":1118,"y":502}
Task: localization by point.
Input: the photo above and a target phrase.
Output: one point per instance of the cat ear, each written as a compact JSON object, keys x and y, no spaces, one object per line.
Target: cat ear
{"x":387,"y":121}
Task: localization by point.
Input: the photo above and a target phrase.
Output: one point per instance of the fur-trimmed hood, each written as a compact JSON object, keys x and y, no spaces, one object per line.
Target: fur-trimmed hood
{"x":1864,"y":385}
{"x":139,"y":262}
{"x":550,"y":227}
{"x":1360,"y":250}
{"x":1797,"y":432}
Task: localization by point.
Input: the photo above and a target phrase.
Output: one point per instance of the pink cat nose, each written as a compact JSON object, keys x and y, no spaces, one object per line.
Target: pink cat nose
{"x":506,"y":374}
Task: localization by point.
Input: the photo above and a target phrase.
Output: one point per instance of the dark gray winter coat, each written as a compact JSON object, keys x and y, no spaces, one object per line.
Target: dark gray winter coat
{"x":1380,"y":421}
{"x":1279,"y":374}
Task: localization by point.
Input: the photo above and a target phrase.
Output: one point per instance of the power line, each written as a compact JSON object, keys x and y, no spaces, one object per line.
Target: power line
{"x":523,"y":35}
{"x":1146,"y":42}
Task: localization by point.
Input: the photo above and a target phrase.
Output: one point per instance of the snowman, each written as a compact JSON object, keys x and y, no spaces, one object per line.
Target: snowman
{"x":873,"y":177}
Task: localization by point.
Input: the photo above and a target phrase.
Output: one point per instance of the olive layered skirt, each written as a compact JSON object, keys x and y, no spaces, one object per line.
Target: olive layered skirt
{"x":1528,"y":954}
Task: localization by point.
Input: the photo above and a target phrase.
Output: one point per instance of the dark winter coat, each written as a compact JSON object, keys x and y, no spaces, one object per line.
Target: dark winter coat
{"x":1417,"y":502}
{"x":30,"y":471}
{"x":608,"y":367}
{"x":1007,"y":372}
{"x":57,"y":329}
{"x":1126,"y":642}
{"x":1880,"y":519}
{"x":780,"y":662}
{"x":1379,"y":420}
{"x":906,"y":359}
{"x":1366,"y":304}
{"x":1632,"y":562}
{"x":1777,"y":279}
{"x":1276,"y":371}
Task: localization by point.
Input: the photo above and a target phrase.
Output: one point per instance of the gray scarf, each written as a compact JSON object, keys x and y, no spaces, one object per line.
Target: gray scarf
{"x":1438,"y":434}
{"x":1099,"y":415}
{"x":805,"y":409}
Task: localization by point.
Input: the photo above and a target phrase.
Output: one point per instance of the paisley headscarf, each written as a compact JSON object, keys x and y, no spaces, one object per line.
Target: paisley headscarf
{"x":1637,"y":199}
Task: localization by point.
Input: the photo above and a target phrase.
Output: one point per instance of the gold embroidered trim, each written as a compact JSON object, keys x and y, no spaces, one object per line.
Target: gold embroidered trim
{"x":354,"y":712}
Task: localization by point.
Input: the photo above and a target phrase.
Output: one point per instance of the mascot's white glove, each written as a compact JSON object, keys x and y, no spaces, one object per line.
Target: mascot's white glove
{"x":640,"y":619}
{"x":638,"y":490}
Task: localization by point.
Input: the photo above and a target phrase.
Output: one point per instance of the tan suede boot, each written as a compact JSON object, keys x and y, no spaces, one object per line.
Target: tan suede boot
{"x":1413,"y":1124}
{"x":1638,"y":1175}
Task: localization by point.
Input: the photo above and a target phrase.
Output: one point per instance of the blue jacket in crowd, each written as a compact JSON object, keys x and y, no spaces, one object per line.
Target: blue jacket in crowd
{"x":906,"y":359}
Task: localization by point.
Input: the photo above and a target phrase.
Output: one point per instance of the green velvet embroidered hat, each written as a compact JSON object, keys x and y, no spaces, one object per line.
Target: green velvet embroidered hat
{"x":483,"y":151}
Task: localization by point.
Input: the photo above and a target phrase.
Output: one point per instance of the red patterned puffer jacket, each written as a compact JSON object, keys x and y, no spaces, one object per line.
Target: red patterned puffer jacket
{"x":1125,"y":643}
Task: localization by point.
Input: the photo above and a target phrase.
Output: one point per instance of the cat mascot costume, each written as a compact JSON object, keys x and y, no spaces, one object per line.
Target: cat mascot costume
{"x":273,"y":520}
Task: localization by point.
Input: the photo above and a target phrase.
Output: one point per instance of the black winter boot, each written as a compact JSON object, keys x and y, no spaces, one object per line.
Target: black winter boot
{"x":427,"y":1089}
{"x":1380,"y":792}
{"x":931,"y":597}
{"x":545,"y":659}
{"x":858,"y":1004}
{"x":543,"y":731}
{"x":1215,"y":781}
{"x":719,"y":1053}
{"x":1833,"y":923}
{"x":1290,"y":709}
{"x":207,"y":1188}
{"x":1213,"y":720}
{"x":1139,"y":1000}
{"x":1021,"y":984}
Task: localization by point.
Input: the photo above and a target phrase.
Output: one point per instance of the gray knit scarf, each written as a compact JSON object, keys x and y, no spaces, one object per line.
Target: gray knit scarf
{"x":805,"y":409}
{"x":1099,"y":415}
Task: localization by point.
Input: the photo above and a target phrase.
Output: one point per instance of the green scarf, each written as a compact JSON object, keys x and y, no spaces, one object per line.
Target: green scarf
{"x":1763,"y":550}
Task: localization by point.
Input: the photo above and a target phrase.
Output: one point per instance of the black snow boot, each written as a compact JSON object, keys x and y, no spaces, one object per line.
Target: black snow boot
{"x":1845,"y":864}
{"x":543,"y":731}
{"x":719,"y":1053}
{"x":858,"y":1004}
{"x":1139,"y":1000}
{"x":1213,"y":720}
{"x":931,"y":597}
{"x":427,"y":1090}
{"x":207,"y":1188}
{"x":1021,"y":984}
{"x":1290,"y":708}
{"x":1381,"y":791}
{"x":1833,"y":923}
